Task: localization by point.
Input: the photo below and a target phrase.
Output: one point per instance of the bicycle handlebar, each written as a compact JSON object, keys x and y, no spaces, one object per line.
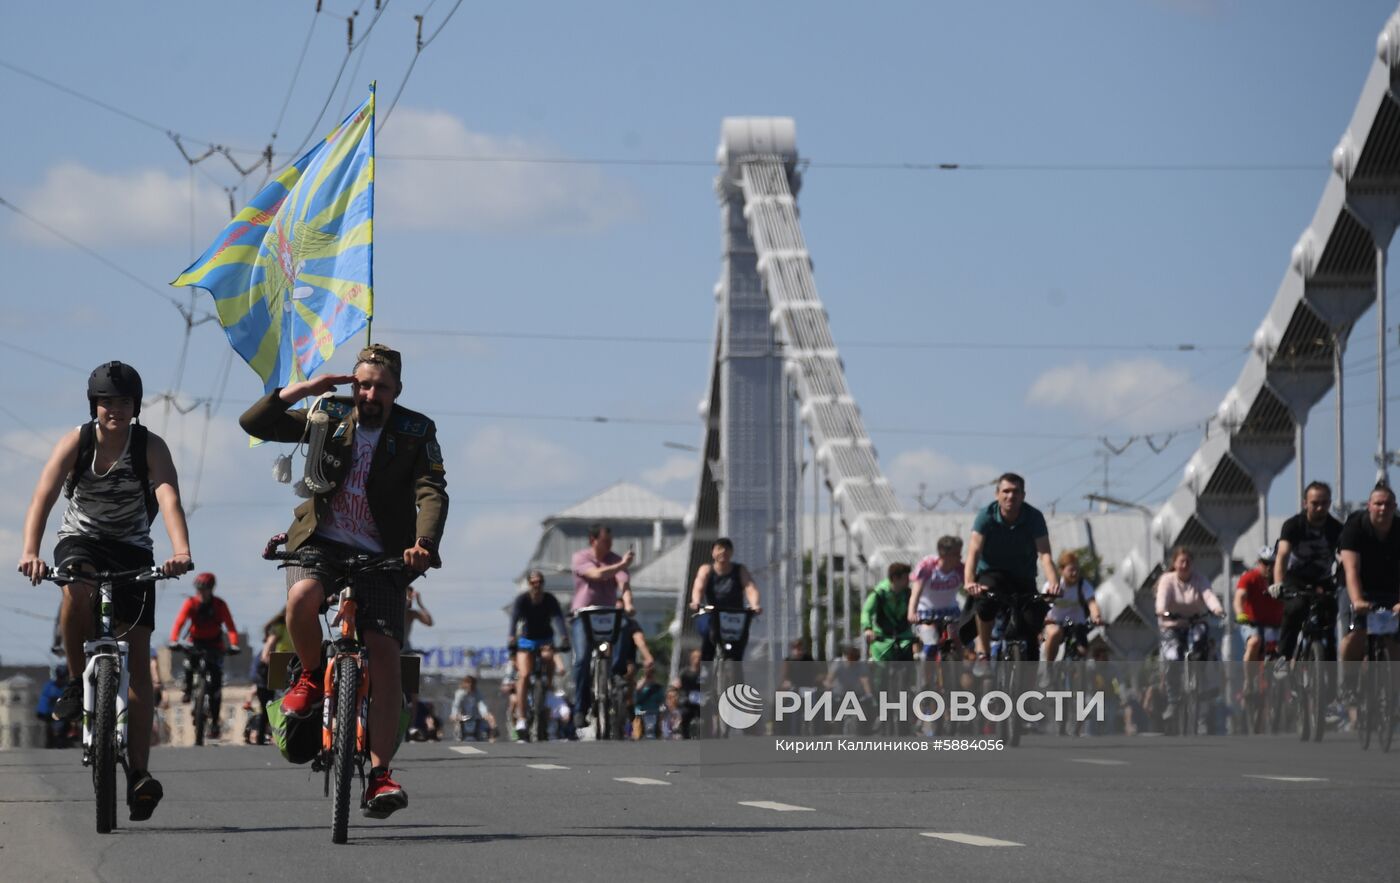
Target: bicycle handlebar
{"x":352,"y":565}
{"x":59,"y":576}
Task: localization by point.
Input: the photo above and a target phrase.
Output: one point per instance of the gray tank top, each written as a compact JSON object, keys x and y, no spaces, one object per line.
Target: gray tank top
{"x":108,"y":506}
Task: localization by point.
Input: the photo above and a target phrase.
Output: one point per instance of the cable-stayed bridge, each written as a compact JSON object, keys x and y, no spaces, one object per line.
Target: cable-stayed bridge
{"x":779,"y":415}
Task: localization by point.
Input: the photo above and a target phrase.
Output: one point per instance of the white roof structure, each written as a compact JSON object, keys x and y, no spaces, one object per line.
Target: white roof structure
{"x":622,"y":501}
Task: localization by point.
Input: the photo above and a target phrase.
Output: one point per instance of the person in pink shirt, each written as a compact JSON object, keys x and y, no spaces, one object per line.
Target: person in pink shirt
{"x":1181,"y":594}
{"x":600,"y":578}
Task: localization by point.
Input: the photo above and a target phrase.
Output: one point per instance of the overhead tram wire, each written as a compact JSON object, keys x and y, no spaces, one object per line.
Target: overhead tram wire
{"x":857,"y":344}
{"x":842,"y":165}
{"x":421,"y":45}
{"x":296,"y":72}
{"x":42,"y":357}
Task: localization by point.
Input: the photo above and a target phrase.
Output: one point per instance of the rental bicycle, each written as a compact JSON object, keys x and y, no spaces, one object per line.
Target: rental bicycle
{"x":601,"y":626}
{"x":106,"y":680}
{"x":345,"y":717}
{"x":1070,"y":672}
{"x":729,"y":631}
{"x":1375,"y":709}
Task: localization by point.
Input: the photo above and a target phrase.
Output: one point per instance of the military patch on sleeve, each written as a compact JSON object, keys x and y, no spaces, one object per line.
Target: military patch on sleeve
{"x":435,"y":456}
{"x":336,"y":408}
{"x":410,"y":425}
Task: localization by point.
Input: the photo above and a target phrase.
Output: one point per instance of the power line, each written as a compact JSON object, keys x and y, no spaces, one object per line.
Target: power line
{"x":422,"y":44}
{"x":112,"y":109}
{"x":896,"y":166}
{"x":93,"y":254}
{"x":854,"y":344}
{"x":42,"y":357}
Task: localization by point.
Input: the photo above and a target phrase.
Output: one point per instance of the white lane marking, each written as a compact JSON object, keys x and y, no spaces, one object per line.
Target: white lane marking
{"x":545,"y":766}
{"x":776,"y":807}
{"x":1099,"y":762}
{"x":1284,"y":778}
{"x":972,"y":839}
{"x":640,"y":780}
{"x":467,"y":750}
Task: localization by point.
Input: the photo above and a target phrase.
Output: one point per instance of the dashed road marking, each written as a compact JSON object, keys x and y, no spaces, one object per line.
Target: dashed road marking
{"x":1284,"y":778}
{"x":972,"y":839}
{"x":776,"y":807}
{"x":639,"y":780}
{"x":545,"y":766}
{"x":1099,"y":762}
{"x":467,"y":750}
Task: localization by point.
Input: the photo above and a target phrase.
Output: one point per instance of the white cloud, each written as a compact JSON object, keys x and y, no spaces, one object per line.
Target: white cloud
{"x":937,"y":472}
{"x":143,"y":206}
{"x":1131,"y":394}
{"x":677,"y":468}
{"x":511,"y":460}
{"x":487,"y":197}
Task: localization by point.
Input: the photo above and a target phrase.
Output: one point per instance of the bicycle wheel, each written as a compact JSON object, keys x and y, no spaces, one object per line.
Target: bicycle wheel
{"x":1317,"y":702}
{"x":721,"y":684}
{"x":347,"y":687}
{"x":199,"y":709}
{"x":618,"y":698}
{"x":1078,"y":688}
{"x":1279,"y":700}
{"x":1385,"y":695}
{"x":104,"y":744}
{"x":1190,"y":700}
{"x":1013,"y":724}
{"x":1366,"y":705}
{"x":539,"y":710}
{"x":602,"y":708}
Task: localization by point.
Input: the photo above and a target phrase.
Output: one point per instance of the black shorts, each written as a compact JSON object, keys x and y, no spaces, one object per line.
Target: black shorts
{"x":380,"y":602}
{"x":1002,"y":582}
{"x":132,"y":603}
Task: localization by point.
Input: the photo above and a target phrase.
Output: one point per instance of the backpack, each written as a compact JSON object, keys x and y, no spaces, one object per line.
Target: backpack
{"x":87,"y":446}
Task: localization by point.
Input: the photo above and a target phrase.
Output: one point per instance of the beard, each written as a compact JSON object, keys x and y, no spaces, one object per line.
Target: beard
{"x":370,"y":416}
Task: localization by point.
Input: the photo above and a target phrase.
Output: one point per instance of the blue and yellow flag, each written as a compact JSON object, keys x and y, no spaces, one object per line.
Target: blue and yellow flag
{"x":292,"y":275}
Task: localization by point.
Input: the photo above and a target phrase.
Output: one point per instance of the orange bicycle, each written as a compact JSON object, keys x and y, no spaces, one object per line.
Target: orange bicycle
{"x":345,"y":716}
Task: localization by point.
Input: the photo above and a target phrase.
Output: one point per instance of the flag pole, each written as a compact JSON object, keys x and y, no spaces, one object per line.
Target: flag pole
{"x":373,"y":110}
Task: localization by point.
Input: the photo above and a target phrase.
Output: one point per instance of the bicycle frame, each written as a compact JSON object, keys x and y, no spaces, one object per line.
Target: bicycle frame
{"x":105,"y":645}
{"x":348,"y":644}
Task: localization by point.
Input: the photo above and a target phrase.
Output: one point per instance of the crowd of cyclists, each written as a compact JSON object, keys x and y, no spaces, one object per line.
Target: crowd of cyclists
{"x":381,"y":490}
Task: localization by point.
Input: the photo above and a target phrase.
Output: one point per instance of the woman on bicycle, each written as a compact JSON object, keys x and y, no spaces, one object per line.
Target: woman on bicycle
{"x":1181,"y":594}
{"x":532,"y":621}
{"x":936,"y":581}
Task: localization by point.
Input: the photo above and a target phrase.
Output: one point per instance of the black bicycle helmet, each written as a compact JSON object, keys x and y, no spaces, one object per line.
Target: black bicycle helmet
{"x":113,"y":380}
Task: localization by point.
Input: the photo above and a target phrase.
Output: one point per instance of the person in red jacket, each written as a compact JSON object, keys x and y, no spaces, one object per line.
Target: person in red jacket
{"x":1256,"y":611}
{"x":207,"y":618}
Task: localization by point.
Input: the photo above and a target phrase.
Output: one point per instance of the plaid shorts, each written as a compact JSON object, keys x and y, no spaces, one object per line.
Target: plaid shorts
{"x":379,"y":597}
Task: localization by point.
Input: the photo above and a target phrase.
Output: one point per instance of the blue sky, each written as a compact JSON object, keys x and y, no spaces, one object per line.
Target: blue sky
{"x":1070,"y":261}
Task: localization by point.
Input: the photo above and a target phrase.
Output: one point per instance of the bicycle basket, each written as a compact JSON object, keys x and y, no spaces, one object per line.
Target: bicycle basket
{"x":732,"y":625}
{"x":601,"y":625}
{"x":1382,"y":622}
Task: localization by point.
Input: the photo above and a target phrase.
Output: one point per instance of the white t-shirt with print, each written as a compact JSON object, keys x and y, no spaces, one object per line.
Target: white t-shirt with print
{"x":349,"y":520}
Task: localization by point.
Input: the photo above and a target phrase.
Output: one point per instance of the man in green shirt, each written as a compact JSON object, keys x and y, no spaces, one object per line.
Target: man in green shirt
{"x":885,"y":617}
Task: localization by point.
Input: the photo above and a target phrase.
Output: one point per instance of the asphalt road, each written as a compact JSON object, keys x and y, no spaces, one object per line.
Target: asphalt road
{"x":1079,"y":809}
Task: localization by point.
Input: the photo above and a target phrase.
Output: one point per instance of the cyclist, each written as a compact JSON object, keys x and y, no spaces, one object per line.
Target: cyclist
{"x":936,"y":580}
{"x":1256,"y":609}
{"x":1181,"y":593}
{"x":1305,"y":567}
{"x":532,"y":620}
{"x":884,"y":617}
{"x":631,"y":644}
{"x":207,"y":617}
{"x":411,"y":616}
{"x":473,"y":719}
{"x":724,"y":585}
{"x":600,"y":578}
{"x":1370,"y":546}
{"x":1009,"y":538}
{"x":1075,"y":605}
{"x":114,"y":472}
{"x":388,"y":496}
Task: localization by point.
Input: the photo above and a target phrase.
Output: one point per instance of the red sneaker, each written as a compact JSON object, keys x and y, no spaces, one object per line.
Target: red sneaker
{"x":305,"y":696}
{"x":384,"y":796}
